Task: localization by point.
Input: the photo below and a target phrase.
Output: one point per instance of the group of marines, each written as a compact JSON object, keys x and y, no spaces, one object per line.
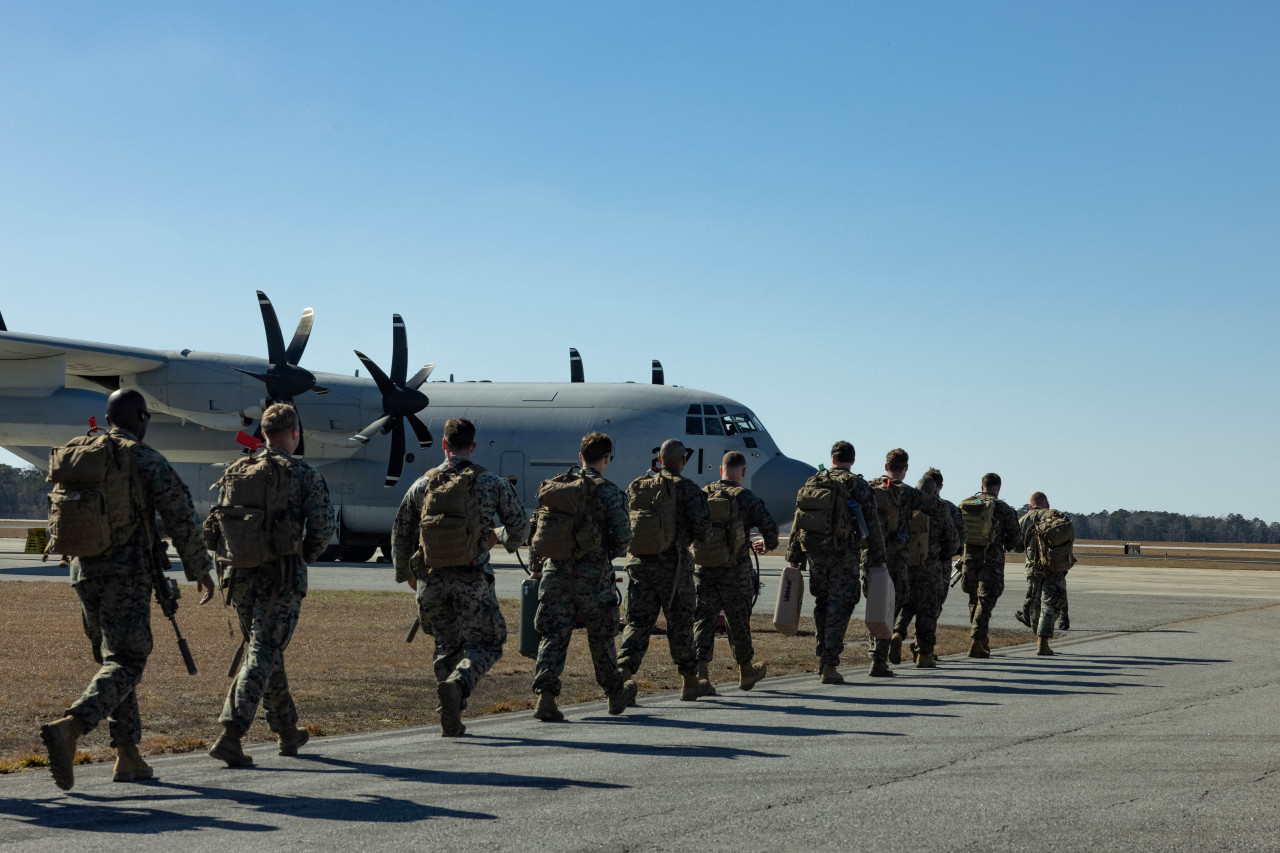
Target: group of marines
{"x":663,"y":521}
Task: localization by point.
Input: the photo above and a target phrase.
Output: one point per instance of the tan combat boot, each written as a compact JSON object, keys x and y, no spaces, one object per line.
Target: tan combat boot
{"x":623,"y":698}
{"x":1043,"y":648}
{"x":60,"y":738}
{"x":628,"y":674}
{"x":895,"y":648}
{"x":547,"y":710}
{"x":829,"y":674}
{"x":976,"y":650}
{"x":924,"y":660}
{"x":749,"y":674}
{"x":227,"y":748}
{"x":704,"y":674}
{"x":291,"y":740}
{"x":694,"y":687}
{"x":129,"y":765}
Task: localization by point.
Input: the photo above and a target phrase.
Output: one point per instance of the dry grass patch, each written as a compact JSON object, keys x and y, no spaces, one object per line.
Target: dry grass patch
{"x":349,"y":667}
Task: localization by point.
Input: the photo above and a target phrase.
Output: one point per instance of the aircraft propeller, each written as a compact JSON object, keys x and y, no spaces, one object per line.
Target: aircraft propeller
{"x":284,"y":378}
{"x":401,"y":401}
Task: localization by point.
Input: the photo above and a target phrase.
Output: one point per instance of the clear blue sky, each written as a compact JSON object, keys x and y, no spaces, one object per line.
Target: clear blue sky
{"x":1036,"y":238}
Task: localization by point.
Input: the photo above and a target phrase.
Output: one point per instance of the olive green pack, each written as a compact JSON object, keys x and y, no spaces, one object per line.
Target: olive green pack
{"x":890,"y":512}
{"x":92,"y":507}
{"x":918,"y":544}
{"x":1053,"y":536}
{"x":728,"y":533}
{"x":653,"y":514}
{"x":822,"y":516}
{"x":451,"y":529}
{"x":978,"y":513}
{"x":251,"y":524}
{"x":564,"y":524}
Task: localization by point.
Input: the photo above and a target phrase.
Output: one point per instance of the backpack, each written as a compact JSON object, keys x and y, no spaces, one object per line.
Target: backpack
{"x":821,"y":512}
{"x":565,"y":526}
{"x":1053,"y":535}
{"x":653,"y":514}
{"x":720,"y":545}
{"x":979,"y":514}
{"x":887,"y":507}
{"x":918,"y":544}
{"x":250,"y":524}
{"x":91,"y":507}
{"x":451,"y":529}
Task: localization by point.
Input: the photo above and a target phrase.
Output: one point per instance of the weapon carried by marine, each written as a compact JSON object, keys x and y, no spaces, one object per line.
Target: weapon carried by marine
{"x":167,"y":595}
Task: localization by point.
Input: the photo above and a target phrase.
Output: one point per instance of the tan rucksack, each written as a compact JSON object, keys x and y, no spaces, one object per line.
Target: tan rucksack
{"x":918,"y":544}
{"x":653,"y":514}
{"x":822,"y":514}
{"x":890,"y":512}
{"x":1053,"y":536}
{"x":251,"y":524}
{"x":96,"y":495}
{"x":565,"y":526}
{"x":719,"y":546}
{"x":978,"y":513}
{"x":451,"y":530}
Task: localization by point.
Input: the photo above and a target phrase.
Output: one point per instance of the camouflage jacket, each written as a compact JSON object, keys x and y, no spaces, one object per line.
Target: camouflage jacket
{"x":1024,"y":525}
{"x":164,"y":493}
{"x":944,"y":538}
{"x":908,"y":498}
{"x":873,"y":553}
{"x":309,"y":502}
{"x":612,"y":516}
{"x":497,"y":497}
{"x":754,"y":515}
{"x":1006,"y":535}
{"x":692,"y":520}
{"x":957,"y":520}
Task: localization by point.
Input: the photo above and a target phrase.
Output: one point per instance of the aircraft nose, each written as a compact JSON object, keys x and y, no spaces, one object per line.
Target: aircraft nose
{"x":777,"y":482}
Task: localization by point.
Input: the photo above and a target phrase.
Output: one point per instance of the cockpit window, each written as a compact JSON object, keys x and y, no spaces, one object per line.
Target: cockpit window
{"x":721,"y":409}
{"x":693,"y":426}
{"x":743,"y":423}
{"x":714,"y":426}
{"x":695,"y":408}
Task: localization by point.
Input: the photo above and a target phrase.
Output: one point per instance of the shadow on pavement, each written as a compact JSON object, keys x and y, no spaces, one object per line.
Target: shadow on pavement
{"x":450,"y":777}
{"x":633,"y":719}
{"x":679,"y":751}
{"x":125,"y":816}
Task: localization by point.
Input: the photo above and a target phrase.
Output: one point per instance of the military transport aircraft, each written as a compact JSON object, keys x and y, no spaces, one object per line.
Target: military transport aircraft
{"x":354,"y":427}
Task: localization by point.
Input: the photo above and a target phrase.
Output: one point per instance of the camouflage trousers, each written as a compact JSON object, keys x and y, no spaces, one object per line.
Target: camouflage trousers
{"x":116,"y":611}
{"x":836,"y":588}
{"x":1046,"y":601}
{"x":268,"y":612}
{"x":900,"y":574}
{"x":461,"y":611}
{"x":731,"y":589}
{"x":924,"y":604}
{"x":565,"y":591}
{"x":984,"y":585}
{"x":649,"y":592}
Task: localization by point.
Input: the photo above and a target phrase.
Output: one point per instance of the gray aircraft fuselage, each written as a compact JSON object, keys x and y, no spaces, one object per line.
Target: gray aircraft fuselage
{"x":50,"y":387}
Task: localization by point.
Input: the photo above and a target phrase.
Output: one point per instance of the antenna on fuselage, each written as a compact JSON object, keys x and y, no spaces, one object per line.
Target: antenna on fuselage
{"x":658,"y":378}
{"x":575,"y":366}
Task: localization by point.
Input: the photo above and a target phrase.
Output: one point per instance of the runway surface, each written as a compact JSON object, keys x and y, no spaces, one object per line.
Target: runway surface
{"x":1154,"y":729}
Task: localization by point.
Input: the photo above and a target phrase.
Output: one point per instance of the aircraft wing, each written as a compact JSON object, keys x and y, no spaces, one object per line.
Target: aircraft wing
{"x":84,"y":358}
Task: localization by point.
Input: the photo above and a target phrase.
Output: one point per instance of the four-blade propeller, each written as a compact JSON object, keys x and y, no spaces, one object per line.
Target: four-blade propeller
{"x":401,"y":400}
{"x":284,"y":378}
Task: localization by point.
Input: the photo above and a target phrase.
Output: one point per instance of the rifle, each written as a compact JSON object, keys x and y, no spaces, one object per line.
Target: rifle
{"x":959,"y":573}
{"x":167,"y":595}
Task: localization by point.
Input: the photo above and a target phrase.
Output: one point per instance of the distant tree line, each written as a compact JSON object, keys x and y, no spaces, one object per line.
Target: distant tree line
{"x":1143,"y":526}
{"x":22,"y":493}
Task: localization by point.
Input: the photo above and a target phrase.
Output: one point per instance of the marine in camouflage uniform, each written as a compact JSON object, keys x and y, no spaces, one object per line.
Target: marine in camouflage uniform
{"x":837,"y":572}
{"x":587,"y":586}
{"x":1046,"y":591}
{"x":928,"y":583}
{"x":115,"y":603}
{"x":457,"y":604}
{"x":983,"y":568}
{"x":268,"y":599}
{"x":732,"y":588}
{"x":663,"y":583}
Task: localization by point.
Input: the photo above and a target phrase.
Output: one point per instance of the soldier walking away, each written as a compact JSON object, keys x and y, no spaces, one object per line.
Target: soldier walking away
{"x":440,"y":547}
{"x":113,"y":576}
{"x":1047,"y":537}
{"x":835,"y":527}
{"x":668,"y":512}
{"x":933,"y":541}
{"x":272,"y":518}
{"x":957,"y":520}
{"x":990,"y":529}
{"x":724,"y":577}
{"x":901,"y":508}
{"x":580,"y":527}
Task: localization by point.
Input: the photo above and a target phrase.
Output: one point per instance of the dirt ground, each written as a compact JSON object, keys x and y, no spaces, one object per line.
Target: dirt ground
{"x":349,"y":667}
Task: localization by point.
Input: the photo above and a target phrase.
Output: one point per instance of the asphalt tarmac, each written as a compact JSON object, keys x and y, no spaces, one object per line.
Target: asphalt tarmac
{"x":1152,"y":729}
